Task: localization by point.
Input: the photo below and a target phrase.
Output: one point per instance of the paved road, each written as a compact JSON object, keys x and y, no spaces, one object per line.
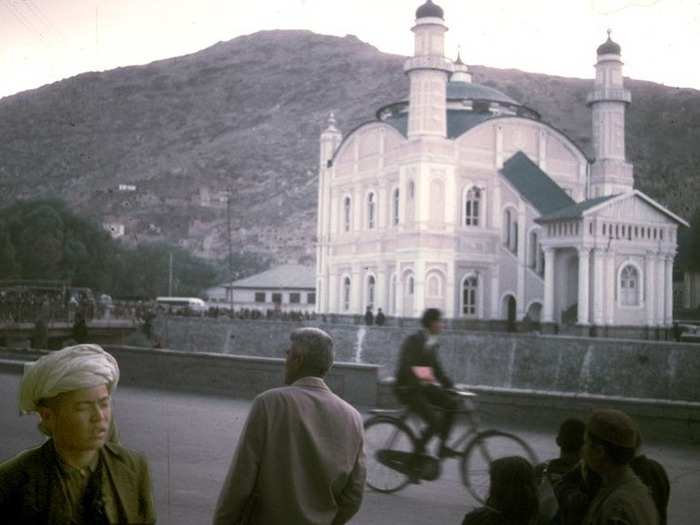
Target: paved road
{"x":189,"y":440}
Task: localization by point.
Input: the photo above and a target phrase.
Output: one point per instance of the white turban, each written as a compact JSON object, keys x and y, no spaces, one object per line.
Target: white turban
{"x":73,"y":368}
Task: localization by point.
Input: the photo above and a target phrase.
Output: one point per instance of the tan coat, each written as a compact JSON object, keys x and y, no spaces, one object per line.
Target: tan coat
{"x":624,"y":502}
{"x":301,"y":452}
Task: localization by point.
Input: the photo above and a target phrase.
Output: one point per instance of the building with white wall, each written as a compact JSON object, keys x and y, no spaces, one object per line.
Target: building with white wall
{"x":461,"y":198}
{"x":290,"y":287}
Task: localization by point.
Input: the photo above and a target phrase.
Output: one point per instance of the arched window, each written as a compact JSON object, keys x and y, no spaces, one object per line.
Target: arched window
{"x":470,"y":292}
{"x":411,"y":285}
{"x":395,"y":207}
{"x":434,"y":286}
{"x":411,"y":190}
{"x":370,"y":291}
{"x":347,"y":214}
{"x":346,"y":294}
{"x":629,"y":286}
{"x":510,"y":230}
{"x":472,"y":207}
{"x":371,"y":211}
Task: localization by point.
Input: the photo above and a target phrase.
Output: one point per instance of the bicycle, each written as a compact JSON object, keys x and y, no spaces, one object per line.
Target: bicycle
{"x":392,"y":460}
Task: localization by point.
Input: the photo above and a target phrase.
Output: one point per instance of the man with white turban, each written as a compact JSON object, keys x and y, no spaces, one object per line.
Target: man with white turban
{"x":77,"y":476}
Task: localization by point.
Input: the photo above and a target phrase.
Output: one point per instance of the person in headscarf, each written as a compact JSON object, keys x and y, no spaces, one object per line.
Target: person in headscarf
{"x":78,"y":476}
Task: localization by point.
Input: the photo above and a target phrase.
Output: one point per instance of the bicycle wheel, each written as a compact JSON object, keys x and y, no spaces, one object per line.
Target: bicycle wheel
{"x":386,"y":436}
{"x":481,"y":451}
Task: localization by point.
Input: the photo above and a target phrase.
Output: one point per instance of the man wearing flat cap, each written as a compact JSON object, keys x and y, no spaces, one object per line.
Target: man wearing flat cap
{"x":608,"y":448}
{"x":77,"y":476}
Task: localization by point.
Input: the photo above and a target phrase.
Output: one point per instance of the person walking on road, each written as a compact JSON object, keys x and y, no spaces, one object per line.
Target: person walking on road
{"x":300,"y":455}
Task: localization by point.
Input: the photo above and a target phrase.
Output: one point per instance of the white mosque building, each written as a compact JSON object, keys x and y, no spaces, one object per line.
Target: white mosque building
{"x":463,"y":199}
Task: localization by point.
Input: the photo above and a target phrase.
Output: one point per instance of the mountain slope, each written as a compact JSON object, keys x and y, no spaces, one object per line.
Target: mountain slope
{"x":246,"y":115}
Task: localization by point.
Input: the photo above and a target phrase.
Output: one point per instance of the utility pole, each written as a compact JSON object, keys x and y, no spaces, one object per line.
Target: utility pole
{"x":170,"y":276}
{"x":230,"y":247}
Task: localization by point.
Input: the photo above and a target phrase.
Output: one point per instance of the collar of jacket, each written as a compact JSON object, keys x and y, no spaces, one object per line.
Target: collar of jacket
{"x":119,"y":491}
{"x":311,"y":382}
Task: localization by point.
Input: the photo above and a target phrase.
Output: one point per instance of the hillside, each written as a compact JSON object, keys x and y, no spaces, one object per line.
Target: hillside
{"x":246,"y":115}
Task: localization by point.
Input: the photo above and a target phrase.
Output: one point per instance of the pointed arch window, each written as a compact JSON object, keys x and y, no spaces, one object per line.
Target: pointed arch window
{"x":346,"y":294}
{"x":470,"y":294}
{"x":371,"y":211}
{"x":347,"y":213}
{"x":472,"y":207}
{"x":629,"y":286}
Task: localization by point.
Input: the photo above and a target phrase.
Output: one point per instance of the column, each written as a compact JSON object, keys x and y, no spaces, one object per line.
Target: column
{"x":419,"y":289}
{"x":661,"y":292}
{"x":610,"y":288}
{"x":649,"y":288}
{"x":598,"y":286}
{"x":383,"y":207}
{"x":668,"y":282}
{"x":495,"y":291}
{"x":549,"y":259}
{"x":494,"y":204}
{"x":522,"y":263}
{"x":358,"y":209}
{"x":583,"y":285}
{"x":332,"y":292}
{"x":452,"y":198}
{"x":398,"y":312}
{"x":380,"y":299}
{"x":356,"y":290}
{"x":450,"y":306}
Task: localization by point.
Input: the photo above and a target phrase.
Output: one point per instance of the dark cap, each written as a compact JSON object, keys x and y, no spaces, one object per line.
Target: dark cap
{"x":613,"y":426}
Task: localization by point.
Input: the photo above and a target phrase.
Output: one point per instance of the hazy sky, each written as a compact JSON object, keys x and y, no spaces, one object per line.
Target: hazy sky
{"x":42,"y":41}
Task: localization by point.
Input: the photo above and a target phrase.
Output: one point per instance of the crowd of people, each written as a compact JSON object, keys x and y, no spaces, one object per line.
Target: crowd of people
{"x":300,"y":457}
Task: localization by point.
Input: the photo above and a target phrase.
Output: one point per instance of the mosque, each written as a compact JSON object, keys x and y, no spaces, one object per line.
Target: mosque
{"x":461,"y":198}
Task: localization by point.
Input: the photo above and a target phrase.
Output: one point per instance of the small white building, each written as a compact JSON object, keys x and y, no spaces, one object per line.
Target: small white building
{"x":463,"y":199}
{"x":115,"y":229}
{"x":289,"y":287}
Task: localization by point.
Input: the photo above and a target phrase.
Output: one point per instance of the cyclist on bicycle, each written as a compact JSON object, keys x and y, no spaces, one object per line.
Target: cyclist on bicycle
{"x":421,"y":383}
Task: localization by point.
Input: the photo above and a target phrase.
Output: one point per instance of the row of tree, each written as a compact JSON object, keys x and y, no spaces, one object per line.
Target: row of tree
{"x":46,"y":240}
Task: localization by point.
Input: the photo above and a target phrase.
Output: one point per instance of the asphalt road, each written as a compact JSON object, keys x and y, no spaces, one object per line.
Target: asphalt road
{"x":189,"y":440}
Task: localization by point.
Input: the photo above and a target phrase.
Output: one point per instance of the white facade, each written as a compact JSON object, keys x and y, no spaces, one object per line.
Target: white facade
{"x":463,"y":199}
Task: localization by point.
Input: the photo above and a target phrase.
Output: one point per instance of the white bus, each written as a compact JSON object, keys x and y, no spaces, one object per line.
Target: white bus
{"x":181,"y":304}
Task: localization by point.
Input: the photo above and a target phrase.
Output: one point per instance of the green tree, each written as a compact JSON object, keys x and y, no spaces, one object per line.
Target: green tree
{"x":9,"y":267}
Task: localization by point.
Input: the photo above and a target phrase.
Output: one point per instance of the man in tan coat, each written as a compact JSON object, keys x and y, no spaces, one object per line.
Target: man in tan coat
{"x":608,"y":448}
{"x":300,"y":456}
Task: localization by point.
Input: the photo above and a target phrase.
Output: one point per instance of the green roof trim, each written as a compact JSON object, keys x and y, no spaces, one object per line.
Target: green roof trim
{"x":458,"y":122}
{"x":534,"y":185}
{"x":575,"y":211}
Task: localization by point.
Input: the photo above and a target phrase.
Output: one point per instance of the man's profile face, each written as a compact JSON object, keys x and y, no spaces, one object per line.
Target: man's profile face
{"x":592,"y":454}
{"x":79,"y":420}
{"x":435,"y":327}
{"x":293,"y":364}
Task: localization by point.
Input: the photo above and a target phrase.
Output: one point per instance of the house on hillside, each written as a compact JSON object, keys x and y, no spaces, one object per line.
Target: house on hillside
{"x":464,"y":199}
{"x":289,"y":287}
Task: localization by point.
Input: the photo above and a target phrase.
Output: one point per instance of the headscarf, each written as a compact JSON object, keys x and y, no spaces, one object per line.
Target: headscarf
{"x":73,"y":368}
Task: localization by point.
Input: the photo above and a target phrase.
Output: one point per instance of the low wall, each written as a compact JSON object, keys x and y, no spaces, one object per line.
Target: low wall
{"x":578,"y":365}
{"x":236,"y":376}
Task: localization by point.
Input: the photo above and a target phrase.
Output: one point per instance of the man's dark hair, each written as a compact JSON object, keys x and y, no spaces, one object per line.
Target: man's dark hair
{"x":615,"y":453}
{"x":570,"y":436}
{"x":430,"y":316}
{"x":513,"y":491}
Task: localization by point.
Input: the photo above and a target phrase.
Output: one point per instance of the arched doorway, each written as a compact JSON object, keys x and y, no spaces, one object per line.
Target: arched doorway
{"x":509,"y":311}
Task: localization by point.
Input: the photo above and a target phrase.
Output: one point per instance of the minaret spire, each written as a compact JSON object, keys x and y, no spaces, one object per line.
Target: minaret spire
{"x":610,"y":173}
{"x":428,"y":71}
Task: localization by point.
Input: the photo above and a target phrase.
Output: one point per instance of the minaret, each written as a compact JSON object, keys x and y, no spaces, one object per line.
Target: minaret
{"x":428,"y":71}
{"x":330,"y":140}
{"x":460,"y":72}
{"x":610,"y":173}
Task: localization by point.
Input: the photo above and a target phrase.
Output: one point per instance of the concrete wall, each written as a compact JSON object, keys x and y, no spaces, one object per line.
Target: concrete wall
{"x":236,"y":376}
{"x":610,"y":367}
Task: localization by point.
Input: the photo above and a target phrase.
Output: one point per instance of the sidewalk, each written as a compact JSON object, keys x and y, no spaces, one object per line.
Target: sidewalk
{"x":189,"y":440}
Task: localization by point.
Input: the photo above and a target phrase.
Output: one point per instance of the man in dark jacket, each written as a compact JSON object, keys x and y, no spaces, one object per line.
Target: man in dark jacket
{"x":421,"y":382}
